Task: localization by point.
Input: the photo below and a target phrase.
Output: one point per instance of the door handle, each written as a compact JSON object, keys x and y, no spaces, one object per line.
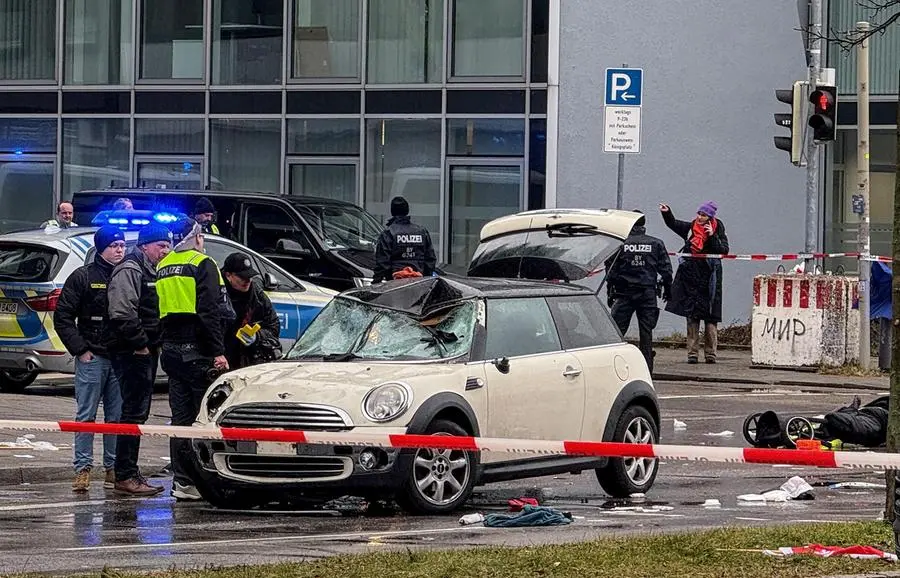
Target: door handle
{"x":571,"y":372}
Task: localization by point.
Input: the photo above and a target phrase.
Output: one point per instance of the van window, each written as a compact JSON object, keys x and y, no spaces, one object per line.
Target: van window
{"x":266,"y":224}
{"x":27,"y":263}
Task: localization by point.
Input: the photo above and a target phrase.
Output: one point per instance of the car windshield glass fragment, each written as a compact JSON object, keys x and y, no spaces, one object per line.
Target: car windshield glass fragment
{"x":348,"y":329}
{"x":342,"y":227}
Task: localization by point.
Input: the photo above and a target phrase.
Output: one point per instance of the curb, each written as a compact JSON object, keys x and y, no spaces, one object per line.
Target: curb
{"x":782,"y":382}
{"x":46,"y":474}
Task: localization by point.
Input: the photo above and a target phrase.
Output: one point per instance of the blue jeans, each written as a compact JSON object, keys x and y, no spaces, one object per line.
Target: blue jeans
{"x":95,"y":381}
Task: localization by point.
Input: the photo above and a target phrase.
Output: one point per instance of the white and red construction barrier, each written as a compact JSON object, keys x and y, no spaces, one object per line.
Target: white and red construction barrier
{"x":782,"y":256}
{"x":817,"y":458}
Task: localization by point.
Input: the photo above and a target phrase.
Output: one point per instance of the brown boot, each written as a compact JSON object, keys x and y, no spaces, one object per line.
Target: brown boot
{"x":109,"y":479}
{"x":135,"y":487}
{"x":82,"y":482}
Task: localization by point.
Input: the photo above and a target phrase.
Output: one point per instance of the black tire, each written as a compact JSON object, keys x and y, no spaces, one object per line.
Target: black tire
{"x":416,"y":501}
{"x":751,"y":431}
{"x":614,"y":478}
{"x":213,"y":491}
{"x":16,"y":380}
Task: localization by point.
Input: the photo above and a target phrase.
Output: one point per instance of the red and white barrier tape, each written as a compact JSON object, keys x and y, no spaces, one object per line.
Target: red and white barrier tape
{"x":822,"y":459}
{"x":782,"y":256}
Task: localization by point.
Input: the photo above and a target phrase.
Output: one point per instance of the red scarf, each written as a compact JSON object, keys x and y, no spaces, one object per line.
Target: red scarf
{"x":699,"y":235}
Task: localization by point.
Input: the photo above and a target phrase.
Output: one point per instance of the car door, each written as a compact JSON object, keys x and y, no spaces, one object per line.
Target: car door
{"x":541,"y":396}
{"x":274,"y":233}
{"x":587,"y":332}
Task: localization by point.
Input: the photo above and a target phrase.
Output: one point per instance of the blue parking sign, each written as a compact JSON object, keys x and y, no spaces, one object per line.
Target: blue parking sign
{"x":624,"y":86}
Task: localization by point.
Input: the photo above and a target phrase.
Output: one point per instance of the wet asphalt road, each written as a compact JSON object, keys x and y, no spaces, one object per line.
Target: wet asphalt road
{"x":45,"y":528}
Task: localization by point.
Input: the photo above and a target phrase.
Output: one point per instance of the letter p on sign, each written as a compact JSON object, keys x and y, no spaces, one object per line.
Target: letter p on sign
{"x":624,"y":86}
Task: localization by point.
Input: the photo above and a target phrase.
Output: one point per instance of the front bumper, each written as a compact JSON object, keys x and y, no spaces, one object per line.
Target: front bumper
{"x":20,"y":358}
{"x":299,"y":468}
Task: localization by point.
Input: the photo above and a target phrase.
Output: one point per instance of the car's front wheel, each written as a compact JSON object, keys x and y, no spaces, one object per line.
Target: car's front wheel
{"x":16,"y":380}
{"x":625,"y":476}
{"x":438,"y":481}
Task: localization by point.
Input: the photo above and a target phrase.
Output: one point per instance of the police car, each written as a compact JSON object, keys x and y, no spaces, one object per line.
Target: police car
{"x":35,"y":264}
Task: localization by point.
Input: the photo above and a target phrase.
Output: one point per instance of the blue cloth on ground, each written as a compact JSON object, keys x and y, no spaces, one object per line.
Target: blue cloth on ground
{"x":530,"y":516}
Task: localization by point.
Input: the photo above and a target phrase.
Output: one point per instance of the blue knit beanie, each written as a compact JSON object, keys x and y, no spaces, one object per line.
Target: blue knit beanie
{"x":153,"y":233}
{"x":106,"y":236}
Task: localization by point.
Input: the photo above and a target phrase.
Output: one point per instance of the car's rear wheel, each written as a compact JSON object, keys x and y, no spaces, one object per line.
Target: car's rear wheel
{"x":625,"y":476}
{"x":16,"y":380}
{"x":438,"y":481}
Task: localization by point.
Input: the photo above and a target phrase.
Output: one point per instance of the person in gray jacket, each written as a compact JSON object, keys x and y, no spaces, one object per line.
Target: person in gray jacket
{"x":134,"y":336}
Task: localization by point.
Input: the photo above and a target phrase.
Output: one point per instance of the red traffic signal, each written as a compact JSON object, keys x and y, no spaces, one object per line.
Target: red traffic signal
{"x":824,"y":115}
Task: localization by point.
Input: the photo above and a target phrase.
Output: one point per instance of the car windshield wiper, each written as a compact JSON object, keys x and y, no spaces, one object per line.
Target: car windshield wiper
{"x":340,"y":357}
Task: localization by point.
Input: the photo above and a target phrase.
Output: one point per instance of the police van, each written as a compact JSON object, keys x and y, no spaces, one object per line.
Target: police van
{"x":35,"y":264}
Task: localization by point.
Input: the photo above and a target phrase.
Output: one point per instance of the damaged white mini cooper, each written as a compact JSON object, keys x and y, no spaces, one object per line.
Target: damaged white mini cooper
{"x":490,"y":357}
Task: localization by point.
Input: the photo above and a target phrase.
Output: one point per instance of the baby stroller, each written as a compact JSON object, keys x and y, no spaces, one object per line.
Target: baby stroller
{"x":854,"y":424}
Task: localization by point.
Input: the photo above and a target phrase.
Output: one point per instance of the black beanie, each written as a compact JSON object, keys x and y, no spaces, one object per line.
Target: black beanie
{"x":204,"y":206}
{"x":399,"y":207}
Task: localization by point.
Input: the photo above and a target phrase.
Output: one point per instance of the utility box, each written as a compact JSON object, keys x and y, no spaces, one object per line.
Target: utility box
{"x":805,"y":320}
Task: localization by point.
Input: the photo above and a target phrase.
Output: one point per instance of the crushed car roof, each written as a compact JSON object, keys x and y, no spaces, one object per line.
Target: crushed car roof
{"x":423,"y":297}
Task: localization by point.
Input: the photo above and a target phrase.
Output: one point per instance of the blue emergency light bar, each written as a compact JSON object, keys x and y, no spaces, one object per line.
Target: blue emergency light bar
{"x":133,"y":219}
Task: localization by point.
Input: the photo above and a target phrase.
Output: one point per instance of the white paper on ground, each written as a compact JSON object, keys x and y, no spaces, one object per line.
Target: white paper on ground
{"x":795,"y":487}
{"x":773,"y":496}
{"x":679,"y":425}
{"x":712,"y":504}
{"x":721,"y":434}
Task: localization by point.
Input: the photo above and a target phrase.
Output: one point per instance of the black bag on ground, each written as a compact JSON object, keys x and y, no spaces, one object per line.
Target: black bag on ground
{"x":865,"y":426}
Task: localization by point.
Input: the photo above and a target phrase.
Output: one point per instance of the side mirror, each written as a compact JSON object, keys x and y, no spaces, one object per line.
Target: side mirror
{"x":270,"y":283}
{"x":502,"y":365}
{"x":291,"y":247}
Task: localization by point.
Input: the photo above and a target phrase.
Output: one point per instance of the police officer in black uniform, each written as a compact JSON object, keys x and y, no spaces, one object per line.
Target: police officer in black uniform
{"x":633,"y":283}
{"x":403,"y":244}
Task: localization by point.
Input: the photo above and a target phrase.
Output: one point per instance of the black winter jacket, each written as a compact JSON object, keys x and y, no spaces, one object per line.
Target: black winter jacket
{"x":81,"y":319}
{"x":251,"y":307}
{"x":133,"y":305}
{"x":643,"y":261}
{"x":403,"y":244}
{"x":697,"y":289}
{"x":204,"y":328}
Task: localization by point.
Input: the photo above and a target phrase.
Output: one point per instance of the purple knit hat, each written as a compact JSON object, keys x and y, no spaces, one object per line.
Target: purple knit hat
{"x":709,"y":209}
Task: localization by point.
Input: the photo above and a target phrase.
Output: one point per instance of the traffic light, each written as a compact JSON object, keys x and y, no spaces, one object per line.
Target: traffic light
{"x":794,"y":97}
{"x":824,"y":114}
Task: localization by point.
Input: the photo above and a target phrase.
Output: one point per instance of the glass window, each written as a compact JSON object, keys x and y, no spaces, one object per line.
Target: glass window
{"x":245,"y":155}
{"x":247,"y":41}
{"x":582,"y":322}
{"x":405,"y":41}
{"x":268,"y":224}
{"x":537,"y":165}
{"x":403,"y":157}
{"x":28,"y":263}
{"x":540,"y":34}
{"x":495,"y":137}
{"x":326,"y":39}
{"x":488,"y":38}
{"x":284,"y":282}
{"x":168,"y":136}
{"x":172,"y":39}
{"x":27,"y":135}
{"x":341,"y":226}
{"x":28,"y":40}
{"x":23,"y":178}
{"x":178,"y":175}
{"x":519,"y":327}
{"x":331,"y":181}
{"x":95,"y":154}
{"x":479,"y":194}
{"x":323,"y":136}
{"x":98,"y":42}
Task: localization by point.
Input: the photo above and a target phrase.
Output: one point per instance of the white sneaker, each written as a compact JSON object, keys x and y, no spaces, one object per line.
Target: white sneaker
{"x":185,"y":492}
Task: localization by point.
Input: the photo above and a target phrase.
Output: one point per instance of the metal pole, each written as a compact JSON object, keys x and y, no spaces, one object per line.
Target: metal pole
{"x":862,"y":189}
{"x":812,"y":148}
{"x":620,"y":183}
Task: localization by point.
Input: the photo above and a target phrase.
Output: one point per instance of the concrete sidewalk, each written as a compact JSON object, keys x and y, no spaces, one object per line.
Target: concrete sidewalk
{"x":34,"y":465}
{"x":734,"y":367}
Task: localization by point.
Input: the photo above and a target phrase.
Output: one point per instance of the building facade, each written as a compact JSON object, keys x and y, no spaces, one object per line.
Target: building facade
{"x":472,"y":109}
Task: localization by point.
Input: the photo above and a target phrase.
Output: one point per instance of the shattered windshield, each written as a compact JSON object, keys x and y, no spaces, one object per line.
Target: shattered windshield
{"x":347,"y":330}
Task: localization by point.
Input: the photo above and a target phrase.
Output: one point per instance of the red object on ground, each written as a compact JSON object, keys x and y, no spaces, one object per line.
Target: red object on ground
{"x":859,"y":552}
{"x":518,"y":504}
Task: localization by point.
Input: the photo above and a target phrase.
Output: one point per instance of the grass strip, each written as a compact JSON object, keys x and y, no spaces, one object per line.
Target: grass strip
{"x":716,"y":553}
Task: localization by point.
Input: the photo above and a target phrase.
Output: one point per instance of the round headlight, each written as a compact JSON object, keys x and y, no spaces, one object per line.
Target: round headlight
{"x":217,"y":397}
{"x":387,"y":401}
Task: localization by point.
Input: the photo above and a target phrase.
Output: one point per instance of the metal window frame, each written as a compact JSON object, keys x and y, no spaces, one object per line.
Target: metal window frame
{"x":488,"y":79}
{"x":306,"y":160}
{"x":150,"y":158}
{"x":138,"y":34}
{"x":361,"y":33}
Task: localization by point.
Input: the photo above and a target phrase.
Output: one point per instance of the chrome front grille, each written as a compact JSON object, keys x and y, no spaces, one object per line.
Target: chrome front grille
{"x":287,"y":416}
{"x":288,"y":467}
